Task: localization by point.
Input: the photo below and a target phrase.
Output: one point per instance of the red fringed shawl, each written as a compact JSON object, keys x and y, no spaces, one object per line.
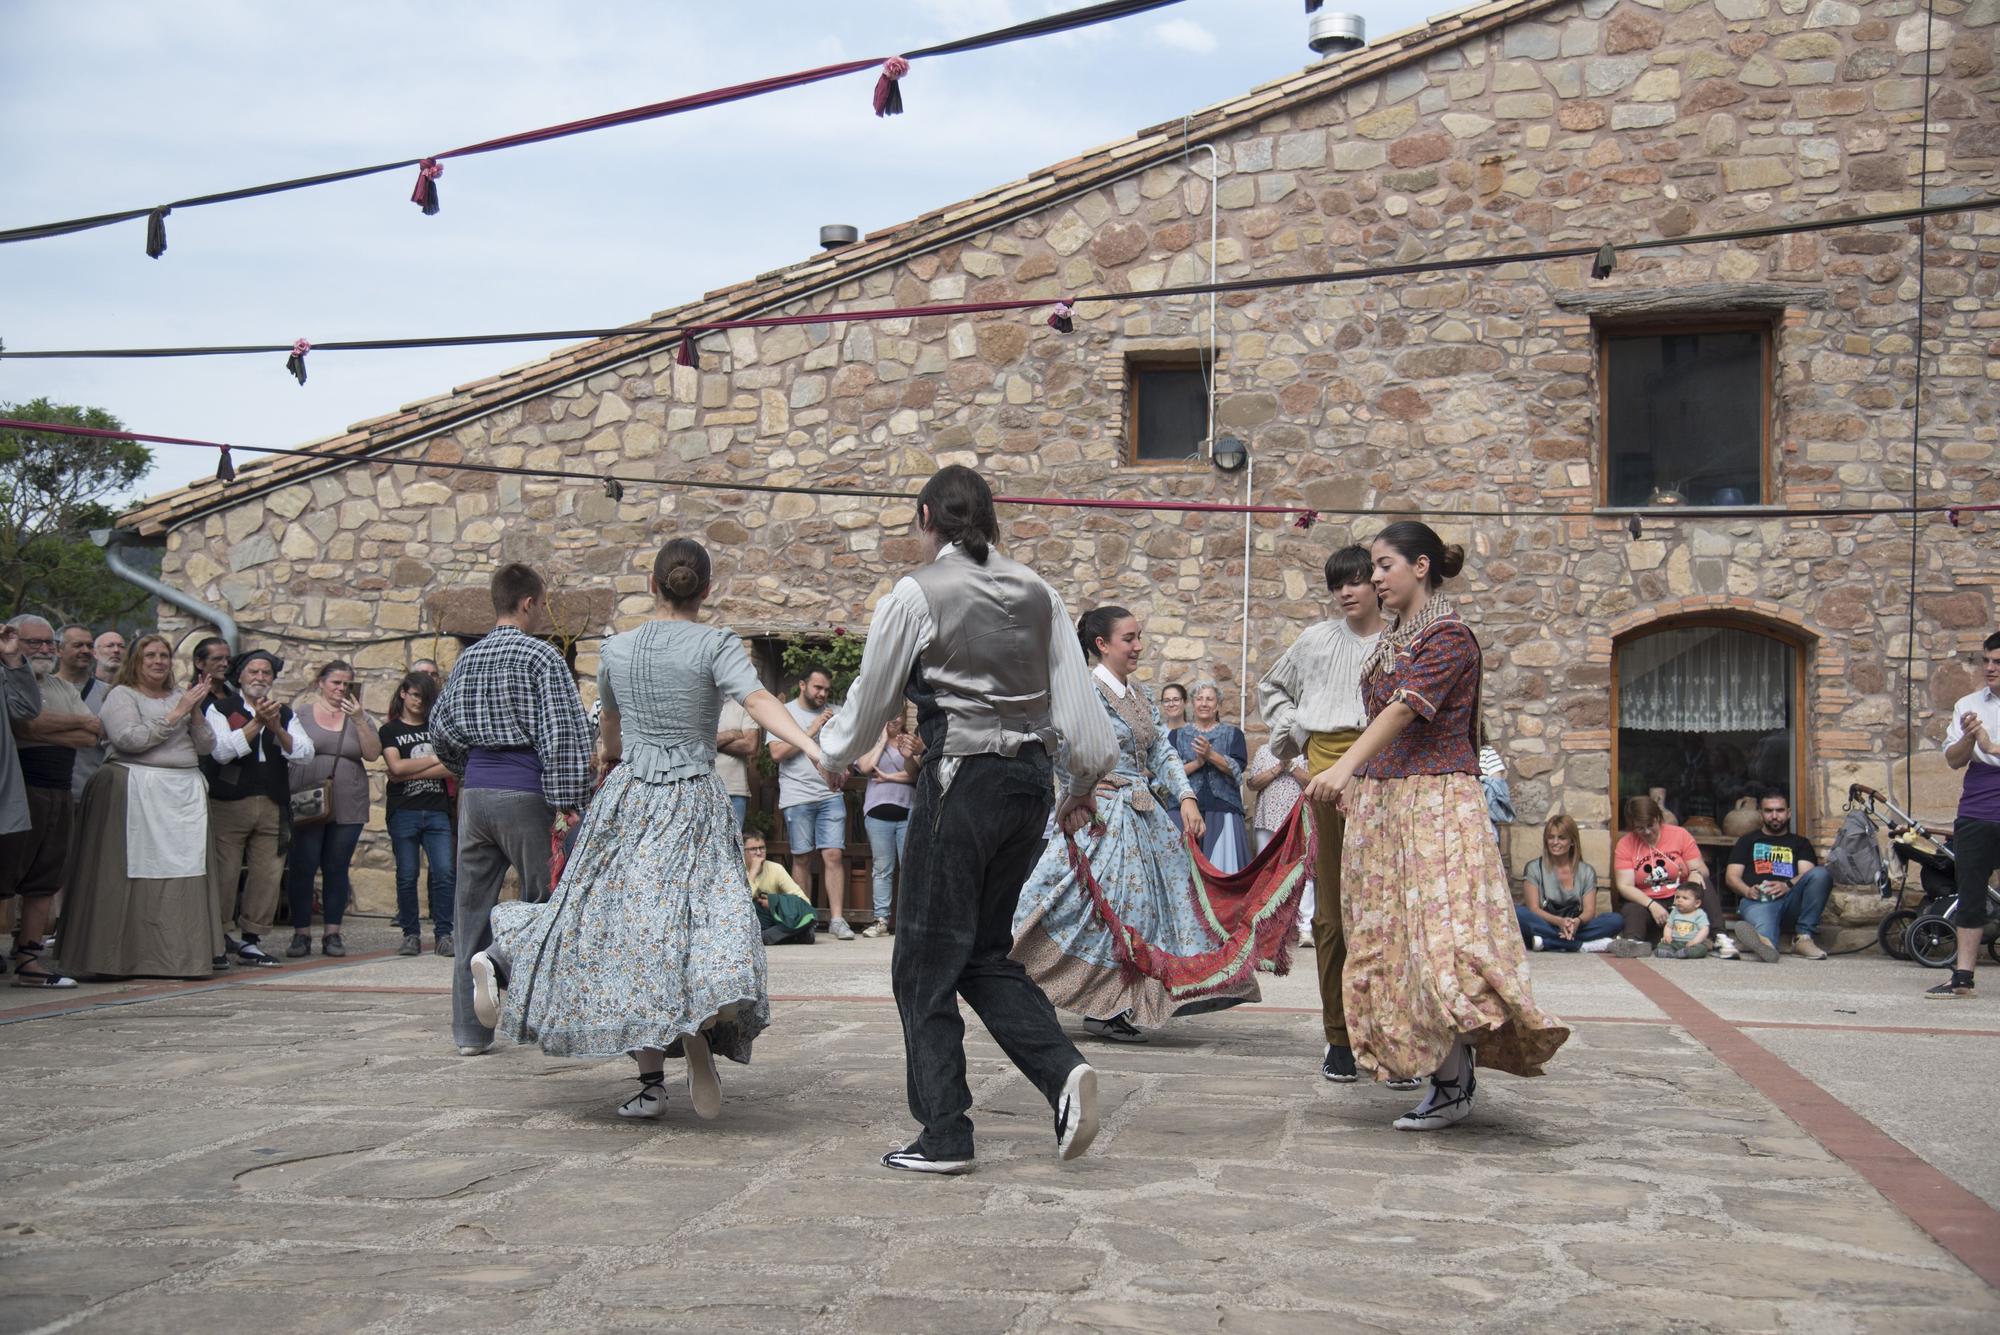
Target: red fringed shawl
{"x":1255,"y":911}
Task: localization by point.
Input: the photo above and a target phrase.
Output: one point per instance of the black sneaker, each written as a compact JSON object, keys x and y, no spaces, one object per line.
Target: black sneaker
{"x":412,"y":944}
{"x":1076,"y":1112}
{"x":913,"y":1160}
{"x":332,"y":946}
{"x":1338,"y":1064}
{"x":301,"y":945}
{"x":1118,"y":1029}
{"x":1959,"y":985}
{"x":444,"y":944}
{"x":220,"y":964}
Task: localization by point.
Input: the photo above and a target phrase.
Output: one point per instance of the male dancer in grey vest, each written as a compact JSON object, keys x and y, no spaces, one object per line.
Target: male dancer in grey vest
{"x":986,"y":651}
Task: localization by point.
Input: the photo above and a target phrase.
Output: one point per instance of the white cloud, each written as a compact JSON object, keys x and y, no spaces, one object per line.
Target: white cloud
{"x":1185,"y":35}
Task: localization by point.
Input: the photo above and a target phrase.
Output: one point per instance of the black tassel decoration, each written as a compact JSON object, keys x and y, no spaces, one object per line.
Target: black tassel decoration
{"x":1060,"y":319}
{"x":156,"y":231}
{"x":1606,"y":261}
{"x":425,"y":196}
{"x":225,"y":471}
{"x":614,"y":488}
{"x":685,"y":356}
{"x":1306,"y":519}
{"x":888,"y":91}
{"x":296,"y":363}
{"x":1635,"y":528}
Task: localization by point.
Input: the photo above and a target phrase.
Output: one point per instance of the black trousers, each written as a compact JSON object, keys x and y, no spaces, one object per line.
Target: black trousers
{"x":1975,"y":846}
{"x":969,"y":849}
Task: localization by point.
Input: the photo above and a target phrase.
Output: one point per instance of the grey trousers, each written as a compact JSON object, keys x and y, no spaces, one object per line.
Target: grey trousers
{"x":497,"y":829}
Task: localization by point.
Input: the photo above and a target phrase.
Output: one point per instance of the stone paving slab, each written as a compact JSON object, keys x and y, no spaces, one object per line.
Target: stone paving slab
{"x":301,"y":1151}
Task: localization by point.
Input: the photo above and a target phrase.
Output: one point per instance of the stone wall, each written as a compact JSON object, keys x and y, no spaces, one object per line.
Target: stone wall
{"x":1475,"y":391}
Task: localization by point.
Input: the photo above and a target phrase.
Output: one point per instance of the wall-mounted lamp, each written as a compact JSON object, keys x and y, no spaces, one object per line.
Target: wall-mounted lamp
{"x":1228,"y":454}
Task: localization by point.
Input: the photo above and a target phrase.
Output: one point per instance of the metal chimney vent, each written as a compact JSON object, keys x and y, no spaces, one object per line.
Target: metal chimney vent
{"x":1333,"y":34}
{"x":835,"y":235}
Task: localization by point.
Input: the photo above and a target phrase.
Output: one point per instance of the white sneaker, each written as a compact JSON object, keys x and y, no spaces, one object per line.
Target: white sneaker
{"x":1536,"y":943}
{"x":838,"y":929}
{"x":1076,"y":1112}
{"x":704,"y":1090}
{"x":1597,"y":947}
{"x":485,"y":990}
{"x":649,"y":1102}
{"x":1726,"y":948}
{"x":875,"y":929}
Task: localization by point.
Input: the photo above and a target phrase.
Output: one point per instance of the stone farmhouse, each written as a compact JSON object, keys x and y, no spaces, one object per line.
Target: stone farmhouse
{"x":1767,"y":378}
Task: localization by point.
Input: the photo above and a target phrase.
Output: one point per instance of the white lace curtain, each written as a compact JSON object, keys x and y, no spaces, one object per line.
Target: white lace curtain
{"x":1704,"y":680}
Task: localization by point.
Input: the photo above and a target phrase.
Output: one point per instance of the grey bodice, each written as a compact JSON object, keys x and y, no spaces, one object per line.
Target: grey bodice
{"x":983,"y":683}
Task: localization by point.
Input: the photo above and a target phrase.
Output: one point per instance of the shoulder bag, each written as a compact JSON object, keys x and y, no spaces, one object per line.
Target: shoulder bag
{"x":313,"y":804}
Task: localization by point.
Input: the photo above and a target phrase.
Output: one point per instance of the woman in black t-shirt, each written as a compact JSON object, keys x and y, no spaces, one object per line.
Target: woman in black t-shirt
{"x":419,"y":813}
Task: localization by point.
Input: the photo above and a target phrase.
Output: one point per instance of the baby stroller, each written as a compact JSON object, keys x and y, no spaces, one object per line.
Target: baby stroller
{"x":1911,"y":843}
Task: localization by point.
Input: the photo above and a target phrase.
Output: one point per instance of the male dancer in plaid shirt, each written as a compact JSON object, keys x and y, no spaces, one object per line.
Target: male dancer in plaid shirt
{"x":511,"y":725}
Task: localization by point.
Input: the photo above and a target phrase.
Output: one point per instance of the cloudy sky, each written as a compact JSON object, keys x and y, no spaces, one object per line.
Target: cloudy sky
{"x":118,"y":104}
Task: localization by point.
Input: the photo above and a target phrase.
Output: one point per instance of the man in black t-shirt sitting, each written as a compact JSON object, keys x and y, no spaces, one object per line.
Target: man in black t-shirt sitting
{"x":1780,"y":887}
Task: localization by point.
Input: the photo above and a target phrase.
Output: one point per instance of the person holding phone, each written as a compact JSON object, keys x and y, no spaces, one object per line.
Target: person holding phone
{"x":344,"y":741}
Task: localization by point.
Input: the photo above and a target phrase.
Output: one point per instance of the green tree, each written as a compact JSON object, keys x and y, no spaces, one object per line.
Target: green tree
{"x":54,"y":489}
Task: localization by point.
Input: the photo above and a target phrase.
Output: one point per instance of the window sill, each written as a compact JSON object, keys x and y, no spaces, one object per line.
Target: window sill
{"x":1696,"y":511}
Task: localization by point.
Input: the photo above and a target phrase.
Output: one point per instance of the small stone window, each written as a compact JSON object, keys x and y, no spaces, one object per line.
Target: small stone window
{"x":1686,"y":413}
{"x":1166,"y":406}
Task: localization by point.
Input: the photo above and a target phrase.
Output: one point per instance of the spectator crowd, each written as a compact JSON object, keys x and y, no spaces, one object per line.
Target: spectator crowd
{"x":115,"y":754}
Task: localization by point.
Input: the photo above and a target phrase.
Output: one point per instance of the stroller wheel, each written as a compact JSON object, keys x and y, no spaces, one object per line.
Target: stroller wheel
{"x":1932,"y":941}
{"x":1893,"y":934}
{"x":1993,"y":948}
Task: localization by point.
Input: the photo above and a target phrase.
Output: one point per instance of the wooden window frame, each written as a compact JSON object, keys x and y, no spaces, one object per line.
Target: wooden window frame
{"x":1605,"y":330}
{"x":1164,"y":359}
{"x":1805,"y":802}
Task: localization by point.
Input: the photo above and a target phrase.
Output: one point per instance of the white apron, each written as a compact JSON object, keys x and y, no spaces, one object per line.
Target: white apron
{"x":166,"y":823}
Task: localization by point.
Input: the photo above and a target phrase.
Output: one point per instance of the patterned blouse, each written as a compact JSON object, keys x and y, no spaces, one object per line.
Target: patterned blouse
{"x":1433,"y":667}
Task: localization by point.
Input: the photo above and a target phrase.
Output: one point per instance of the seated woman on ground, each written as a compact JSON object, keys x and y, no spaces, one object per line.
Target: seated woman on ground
{"x":783,"y":911}
{"x":1558,"y":908}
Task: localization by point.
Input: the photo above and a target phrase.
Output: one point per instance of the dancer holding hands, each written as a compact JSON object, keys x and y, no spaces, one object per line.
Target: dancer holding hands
{"x":1436,"y":977}
{"x":649,"y":945}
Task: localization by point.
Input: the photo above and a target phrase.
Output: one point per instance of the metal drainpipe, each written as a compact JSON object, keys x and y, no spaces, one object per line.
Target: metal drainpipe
{"x":113,"y":539}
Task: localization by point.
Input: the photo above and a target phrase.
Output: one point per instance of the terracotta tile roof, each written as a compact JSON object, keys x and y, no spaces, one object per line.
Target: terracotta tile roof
{"x":759,"y":295}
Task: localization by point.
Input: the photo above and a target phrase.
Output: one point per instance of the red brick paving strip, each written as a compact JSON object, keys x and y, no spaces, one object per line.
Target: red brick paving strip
{"x":1964,"y":1224}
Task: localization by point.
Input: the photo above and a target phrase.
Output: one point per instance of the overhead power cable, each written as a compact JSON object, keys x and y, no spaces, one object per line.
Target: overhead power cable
{"x":1064,"y":313}
{"x":887,"y":101}
{"x":1303,"y":515}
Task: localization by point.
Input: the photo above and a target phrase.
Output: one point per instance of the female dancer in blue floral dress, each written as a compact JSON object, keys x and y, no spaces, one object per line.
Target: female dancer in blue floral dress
{"x":650,"y":944}
{"x":1138,"y":857}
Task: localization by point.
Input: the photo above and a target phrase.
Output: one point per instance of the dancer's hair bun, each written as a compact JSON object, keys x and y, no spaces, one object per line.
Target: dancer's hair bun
{"x":681,"y":570}
{"x":1452,"y":562}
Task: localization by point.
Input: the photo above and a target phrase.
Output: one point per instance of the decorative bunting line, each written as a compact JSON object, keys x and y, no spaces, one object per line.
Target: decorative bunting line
{"x":1062,"y":318}
{"x":887,"y":101}
{"x":614,"y":485}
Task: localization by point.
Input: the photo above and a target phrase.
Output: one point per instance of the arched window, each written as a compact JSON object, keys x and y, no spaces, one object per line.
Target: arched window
{"x":1708,"y":711}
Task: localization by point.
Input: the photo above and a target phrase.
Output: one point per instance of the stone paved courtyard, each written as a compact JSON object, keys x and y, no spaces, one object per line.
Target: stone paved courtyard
{"x":299,"y":1150}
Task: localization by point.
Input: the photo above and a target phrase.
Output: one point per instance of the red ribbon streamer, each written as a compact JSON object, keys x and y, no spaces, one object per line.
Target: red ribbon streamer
{"x":1258,"y":908}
